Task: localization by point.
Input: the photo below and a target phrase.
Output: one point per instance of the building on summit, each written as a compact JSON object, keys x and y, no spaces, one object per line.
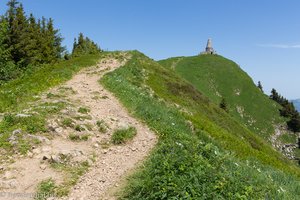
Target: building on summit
{"x":209,"y":49}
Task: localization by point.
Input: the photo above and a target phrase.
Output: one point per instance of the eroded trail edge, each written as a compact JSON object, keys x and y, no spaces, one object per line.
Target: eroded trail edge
{"x":80,"y":133}
{"x":113,"y":162}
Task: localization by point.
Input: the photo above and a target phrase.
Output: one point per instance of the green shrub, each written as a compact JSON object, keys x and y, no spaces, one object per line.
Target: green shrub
{"x":83,"y":110}
{"x":77,"y":138}
{"x":102,"y":127}
{"x":79,"y":128}
{"x":121,"y":136}
{"x":68,"y":122}
{"x":46,"y":189}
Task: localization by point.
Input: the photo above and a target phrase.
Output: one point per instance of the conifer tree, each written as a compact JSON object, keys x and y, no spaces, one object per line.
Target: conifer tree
{"x":19,"y":36}
{"x":26,"y":40}
{"x":223,"y":104}
{"x":294,"y":123}
{"x":34,"y":55}
{"x":288,"y":110}
{"x":259,"y":85}
{"x":83,"y":46}
{"x":274,"y":95}
{"x":7,"y":67}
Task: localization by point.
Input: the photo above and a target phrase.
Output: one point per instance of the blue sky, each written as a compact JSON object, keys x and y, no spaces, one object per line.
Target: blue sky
{"x":262,"y":36}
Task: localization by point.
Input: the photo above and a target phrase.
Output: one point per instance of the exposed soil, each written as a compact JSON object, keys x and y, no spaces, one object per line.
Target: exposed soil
{"x":109,"y":163}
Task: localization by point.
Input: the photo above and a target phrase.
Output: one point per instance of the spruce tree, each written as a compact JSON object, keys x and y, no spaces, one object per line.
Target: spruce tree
{"x":33,"y":52}
{"x":83,"y":46}
{"x":55,"y":40}
{"x":26,"y":41}
{"x":7,"y":67}
{"x":19,"y":37}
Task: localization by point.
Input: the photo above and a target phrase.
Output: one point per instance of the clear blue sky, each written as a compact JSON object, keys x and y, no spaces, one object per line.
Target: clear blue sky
{"x":262,"y":36}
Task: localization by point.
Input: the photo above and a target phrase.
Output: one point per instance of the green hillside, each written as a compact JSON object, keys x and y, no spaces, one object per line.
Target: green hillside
{"x":203,"y":152}
{"x":217,"y":78}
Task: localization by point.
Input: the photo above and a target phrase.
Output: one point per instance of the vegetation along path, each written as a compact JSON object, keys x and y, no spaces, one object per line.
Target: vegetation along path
{"x":85,"y":132}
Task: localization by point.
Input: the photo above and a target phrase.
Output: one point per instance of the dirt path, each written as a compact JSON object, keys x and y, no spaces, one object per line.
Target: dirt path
{"x":115,"y":161}
{"x":111,"y":162}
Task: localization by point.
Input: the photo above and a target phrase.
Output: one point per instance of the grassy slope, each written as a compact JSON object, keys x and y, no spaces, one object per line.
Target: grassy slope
{"x":15,"y":94}
{"x":18,"y":94}
{"x":192,"y":159}
{"x":217,"y":77}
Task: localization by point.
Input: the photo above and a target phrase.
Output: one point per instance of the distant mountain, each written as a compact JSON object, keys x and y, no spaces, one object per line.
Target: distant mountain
{"x":297,"y":104}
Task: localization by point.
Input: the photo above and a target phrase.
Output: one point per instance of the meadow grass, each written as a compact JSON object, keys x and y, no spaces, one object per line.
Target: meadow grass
{"x":217,"y":77}
{"x":15,"y":94}
{"x":48,"y":188}
{"x":202,"y":153}
{"x":20,"y":95}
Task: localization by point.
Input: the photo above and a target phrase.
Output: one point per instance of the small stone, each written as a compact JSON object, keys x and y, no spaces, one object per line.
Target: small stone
{"x":77,"y":153}
{"x":46,"y":157}
{"x":30,"y":154}
{"x":43,"y":166}
{"x":8,"y":175}
{"x":55,"y":159}
{"x":59,"y":130}
{"x":133,"y":149}
{"x":90,"y":162}
{"x":36,"y":151}
{"x":105,"y":151}
{"x":17,"y":132}
{"x":96,"y":145}
{"x":123,"y":125}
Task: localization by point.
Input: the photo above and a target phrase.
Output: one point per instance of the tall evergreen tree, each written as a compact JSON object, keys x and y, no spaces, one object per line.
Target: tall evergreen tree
{"x":27,"y":41}
{"x":7,"y":67}
{"x":19,"y":36}
{"x":55,"y":40}
{"x":83,"y":46}
{"x":32,"y":49}
{"x":274,"y":95}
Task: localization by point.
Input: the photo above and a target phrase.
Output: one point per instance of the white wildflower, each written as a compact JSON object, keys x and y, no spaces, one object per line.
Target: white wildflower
{"x":179,"y":144}
{"x":282,"y":189}
{"x":258,"y":170}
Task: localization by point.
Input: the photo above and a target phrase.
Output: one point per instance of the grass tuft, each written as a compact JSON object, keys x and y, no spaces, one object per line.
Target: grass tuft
{"x":121,"y":136}
{"x":83,"y":110}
